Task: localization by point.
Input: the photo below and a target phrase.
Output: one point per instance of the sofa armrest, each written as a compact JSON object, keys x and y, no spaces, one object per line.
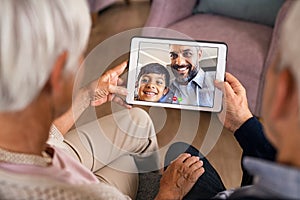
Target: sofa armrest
{"x":274,"y":44}
{"x":165,"y":12}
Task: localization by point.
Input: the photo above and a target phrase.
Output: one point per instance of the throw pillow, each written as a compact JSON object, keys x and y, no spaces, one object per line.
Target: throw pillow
{"x":258,"y":11}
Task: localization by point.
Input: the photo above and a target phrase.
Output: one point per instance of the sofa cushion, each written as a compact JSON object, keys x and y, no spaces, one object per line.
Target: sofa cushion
{"x":248,"y":45}
{"x":259,"y":11}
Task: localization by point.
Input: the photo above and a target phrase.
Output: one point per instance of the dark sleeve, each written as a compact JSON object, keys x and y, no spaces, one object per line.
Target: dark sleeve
{"x":252,"y":140}
{"x":254,"y":143}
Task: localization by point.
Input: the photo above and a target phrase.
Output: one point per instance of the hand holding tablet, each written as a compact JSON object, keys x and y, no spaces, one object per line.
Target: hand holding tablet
{"x":176,"y":73}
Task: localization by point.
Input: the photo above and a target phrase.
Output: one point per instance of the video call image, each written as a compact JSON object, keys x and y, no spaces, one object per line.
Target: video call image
{"x":176,"y":74}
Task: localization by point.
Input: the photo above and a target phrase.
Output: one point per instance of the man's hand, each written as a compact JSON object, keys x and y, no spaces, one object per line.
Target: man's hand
{"x":180,"y":177}
{"x":235,"y":106}
{"x":109,"y":87}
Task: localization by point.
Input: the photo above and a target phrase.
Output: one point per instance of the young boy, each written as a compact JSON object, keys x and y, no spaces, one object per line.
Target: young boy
{"x":153,"y":84}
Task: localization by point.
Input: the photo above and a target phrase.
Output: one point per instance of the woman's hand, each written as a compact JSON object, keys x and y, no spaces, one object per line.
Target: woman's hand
{"x":180,"y":177}
{"x":106,"y":88}
{"x":109,"y":87}
{"x":235,"y":105}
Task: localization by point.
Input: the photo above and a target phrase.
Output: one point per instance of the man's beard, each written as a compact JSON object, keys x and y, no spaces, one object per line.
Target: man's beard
{"x":184,"y":80}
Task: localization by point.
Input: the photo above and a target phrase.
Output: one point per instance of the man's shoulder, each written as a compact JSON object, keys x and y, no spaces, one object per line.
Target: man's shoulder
{"x":210,"y":74}
{"x":245,"y":192}
{"x":205,"y":79}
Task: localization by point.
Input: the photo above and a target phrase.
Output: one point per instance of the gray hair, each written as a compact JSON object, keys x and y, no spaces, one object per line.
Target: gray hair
{"x":290,"y":42}
{"x":33,"y":33}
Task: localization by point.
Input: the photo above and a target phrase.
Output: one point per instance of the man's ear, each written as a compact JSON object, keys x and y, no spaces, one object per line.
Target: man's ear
{"x":286,"y":95}
{"x":199,"y":53}
{"x":56,"y":76}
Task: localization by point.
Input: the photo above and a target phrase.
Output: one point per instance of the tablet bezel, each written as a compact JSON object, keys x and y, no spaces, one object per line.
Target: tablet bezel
{"x":133,"y":60}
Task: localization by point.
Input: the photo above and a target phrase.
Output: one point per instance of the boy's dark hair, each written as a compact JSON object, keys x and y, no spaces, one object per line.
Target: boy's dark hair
{"x":155,"y":68}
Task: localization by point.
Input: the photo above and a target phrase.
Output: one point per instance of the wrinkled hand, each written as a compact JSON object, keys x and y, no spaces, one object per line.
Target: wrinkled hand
{"x":180,"y":177}
{"x":235,"y":105}
{"x":109,"y":87}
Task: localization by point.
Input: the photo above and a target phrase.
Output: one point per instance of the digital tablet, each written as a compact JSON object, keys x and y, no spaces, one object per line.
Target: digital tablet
{"x":176,"y":73}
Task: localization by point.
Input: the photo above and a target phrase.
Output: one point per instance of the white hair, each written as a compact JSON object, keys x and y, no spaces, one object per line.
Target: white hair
{"x":33,"y":33}
{"x":290,"y":42}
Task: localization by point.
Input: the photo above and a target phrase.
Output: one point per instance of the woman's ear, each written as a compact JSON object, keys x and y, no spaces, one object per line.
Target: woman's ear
{"x":56,"y":76}
{"x":286,"y":95}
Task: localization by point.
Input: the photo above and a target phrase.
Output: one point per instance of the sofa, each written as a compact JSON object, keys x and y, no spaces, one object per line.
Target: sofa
{"x":98,"y":5}
{"x":249,"y":28}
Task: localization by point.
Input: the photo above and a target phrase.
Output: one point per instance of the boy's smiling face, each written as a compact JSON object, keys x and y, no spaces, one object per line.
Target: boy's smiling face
{"x":152,"y":87}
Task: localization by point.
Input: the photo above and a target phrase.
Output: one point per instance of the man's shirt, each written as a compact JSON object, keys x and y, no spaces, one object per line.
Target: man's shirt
{"x":199,"y":91}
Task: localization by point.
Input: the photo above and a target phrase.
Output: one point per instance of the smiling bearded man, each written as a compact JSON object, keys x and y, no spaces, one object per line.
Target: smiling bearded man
{"x":192,"y":86}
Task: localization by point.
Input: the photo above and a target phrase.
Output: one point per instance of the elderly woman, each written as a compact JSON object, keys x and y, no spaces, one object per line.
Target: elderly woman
{"x":41,"y":47}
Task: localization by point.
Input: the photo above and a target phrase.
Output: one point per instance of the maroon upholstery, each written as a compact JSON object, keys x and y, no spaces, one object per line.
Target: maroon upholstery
{"x":249,"y":51}
{"x":97,"y":5}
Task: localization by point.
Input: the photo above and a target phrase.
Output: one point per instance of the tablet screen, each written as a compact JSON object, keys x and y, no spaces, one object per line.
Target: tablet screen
{"x":176,"y":73}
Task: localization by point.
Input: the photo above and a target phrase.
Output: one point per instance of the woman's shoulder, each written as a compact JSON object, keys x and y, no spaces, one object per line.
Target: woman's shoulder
{"x":14,"y":186}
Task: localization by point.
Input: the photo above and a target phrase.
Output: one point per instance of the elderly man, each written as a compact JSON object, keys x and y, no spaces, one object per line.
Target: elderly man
{"x":278,"y":141}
